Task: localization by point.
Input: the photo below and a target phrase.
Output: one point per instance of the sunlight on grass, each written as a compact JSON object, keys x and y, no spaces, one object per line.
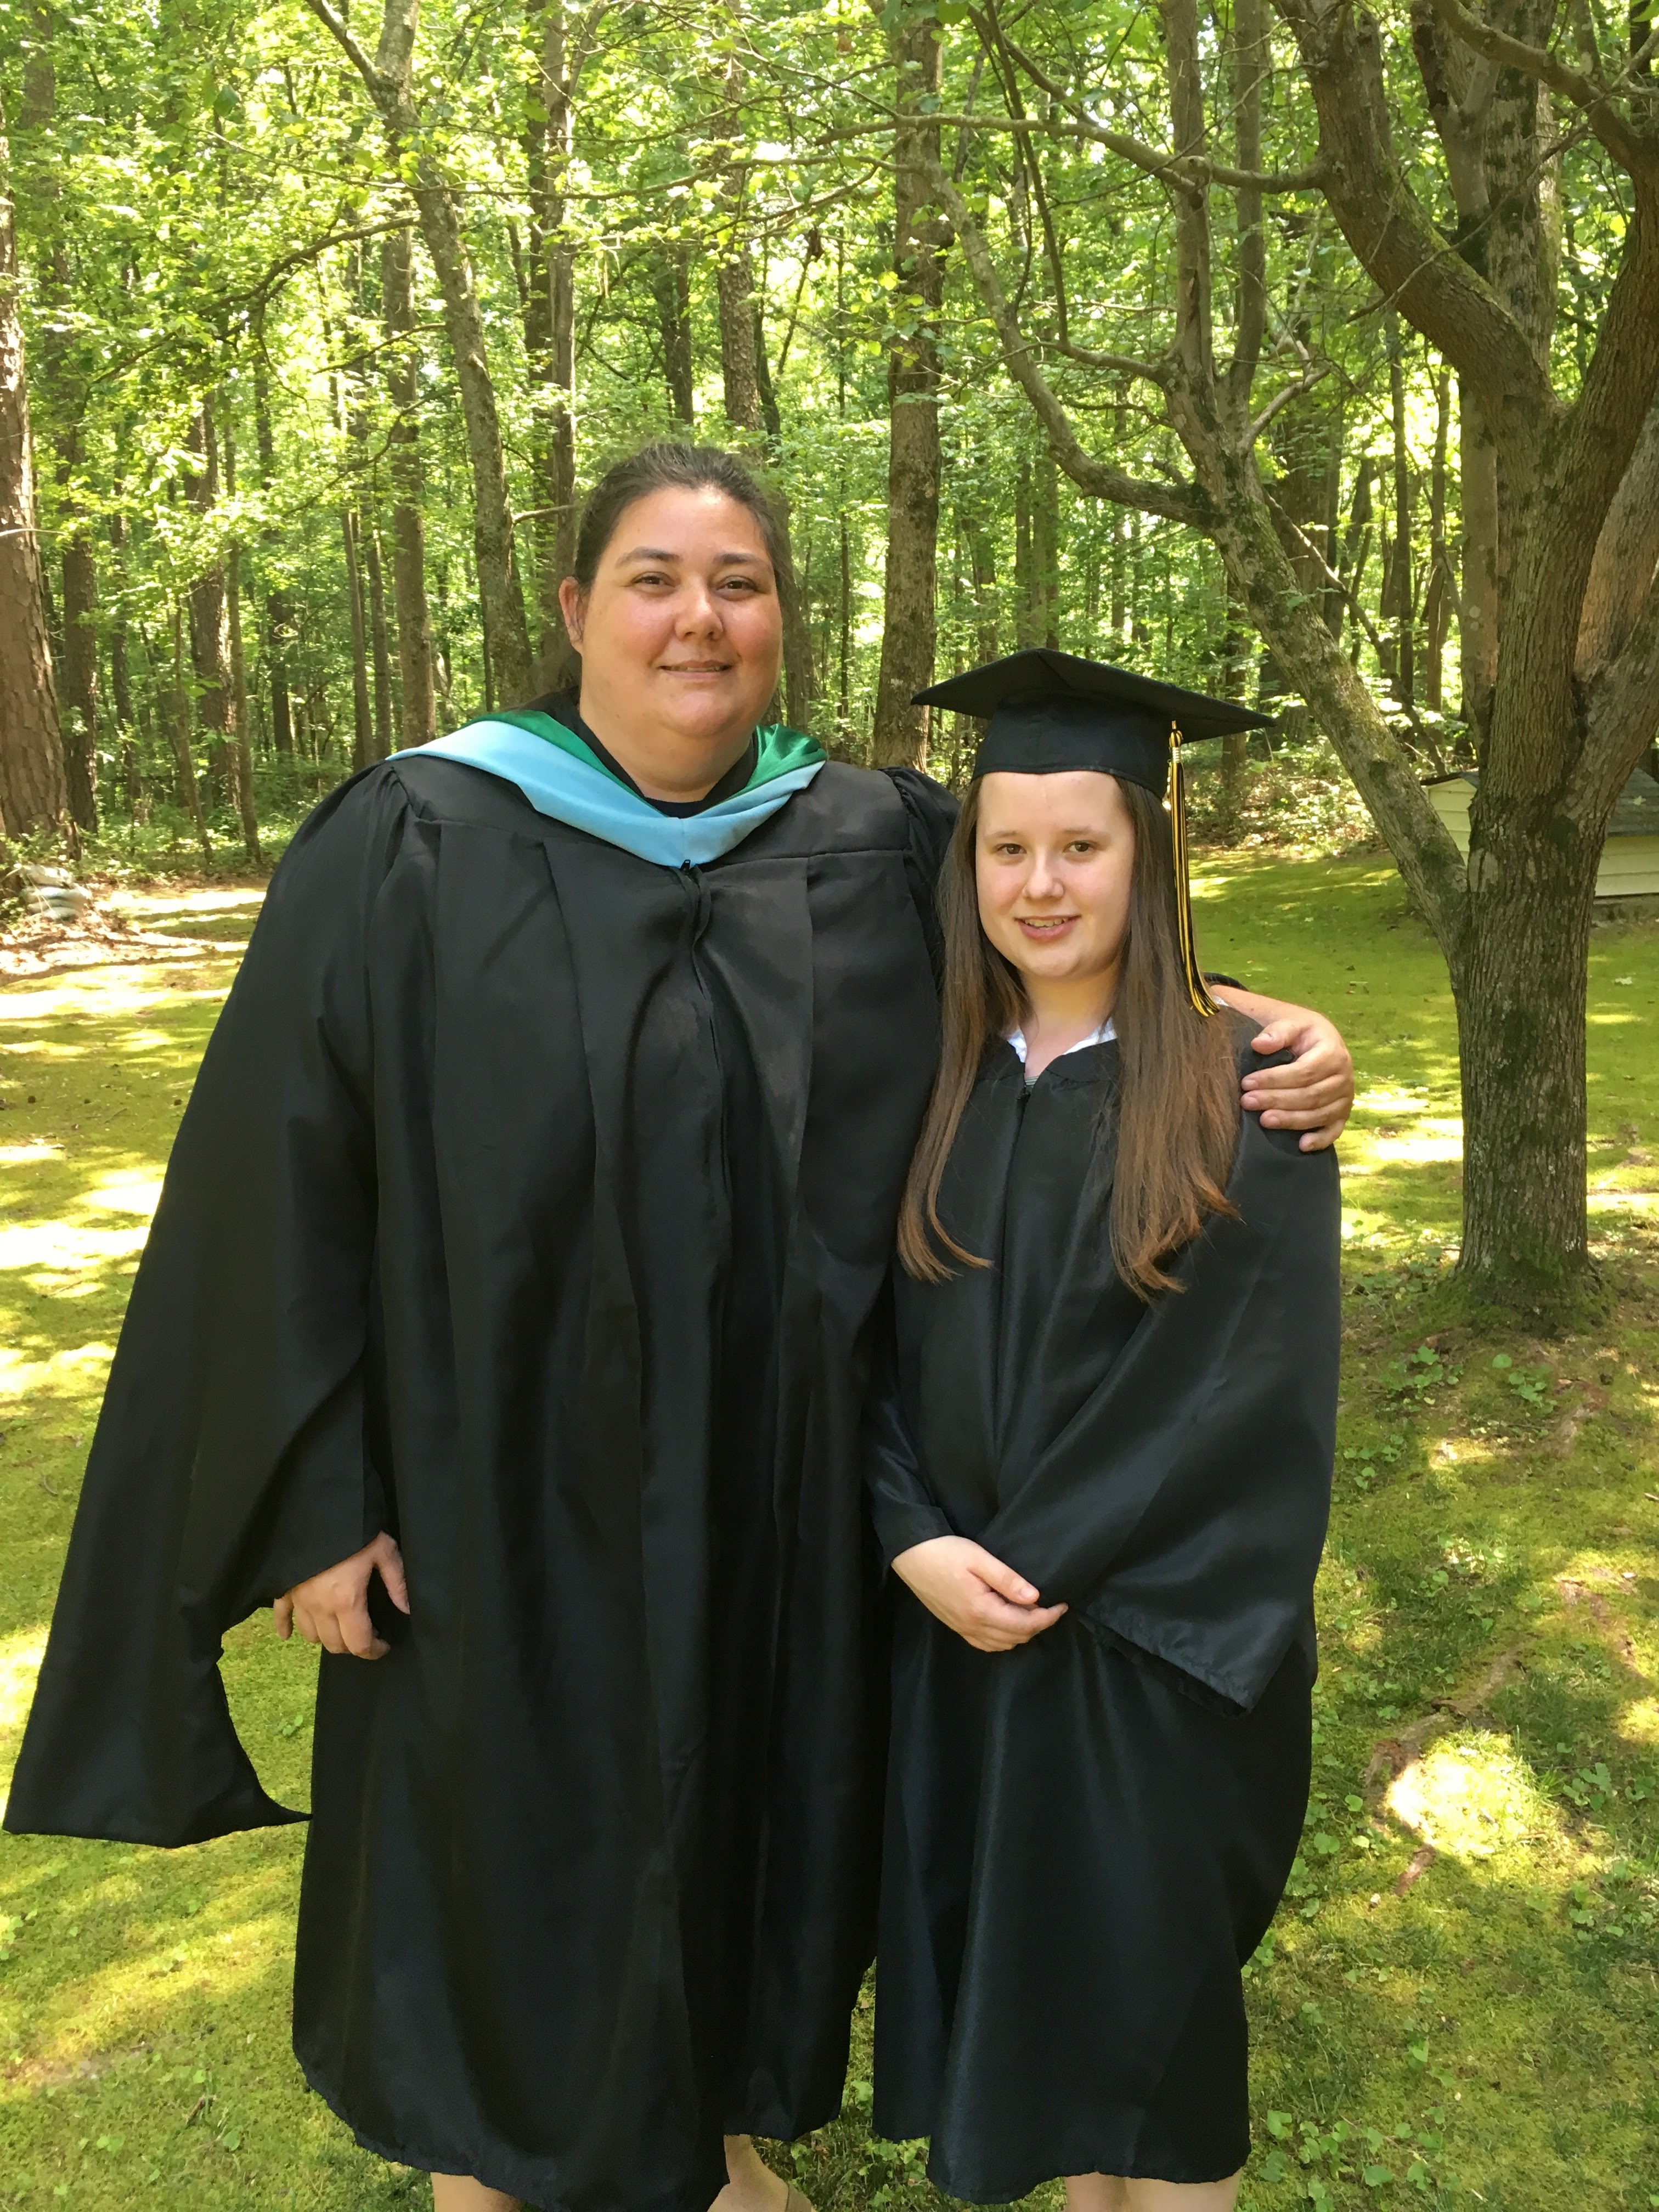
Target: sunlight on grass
{"x":20,"y":1654}
{"x":1473,"y":1799}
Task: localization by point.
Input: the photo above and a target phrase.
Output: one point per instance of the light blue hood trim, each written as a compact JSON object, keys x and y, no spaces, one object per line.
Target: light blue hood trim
{"x":569,"y":790}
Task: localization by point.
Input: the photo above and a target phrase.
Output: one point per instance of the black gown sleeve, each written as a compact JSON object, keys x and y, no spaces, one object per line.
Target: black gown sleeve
{"x":229,"y":1461}
{"x":901,"y":1507}
{"x":932,"y":814}
{"x":1182,"y":1508}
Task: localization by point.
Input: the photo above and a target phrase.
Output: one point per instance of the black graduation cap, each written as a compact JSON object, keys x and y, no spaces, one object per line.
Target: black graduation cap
{"x":1050,"y":712}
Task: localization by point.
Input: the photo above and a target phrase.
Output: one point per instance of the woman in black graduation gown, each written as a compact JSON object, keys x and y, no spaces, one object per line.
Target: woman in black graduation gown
{"x":1102,"y":1467}
{"x":506,"y":1320}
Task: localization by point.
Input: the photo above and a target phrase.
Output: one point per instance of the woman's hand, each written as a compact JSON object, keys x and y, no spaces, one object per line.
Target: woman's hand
{"x":332,"y":1608}
{"x":988,"y":1605}
{"x":1315,"y":1093}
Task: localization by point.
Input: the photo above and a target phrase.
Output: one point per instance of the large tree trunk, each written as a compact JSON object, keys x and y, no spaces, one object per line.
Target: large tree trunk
{"x":389,"y":78}
{"x":909,"y":631}
{"x":419,"y":722}
{"x":1518,"y":975}
{"x":33,"y":793}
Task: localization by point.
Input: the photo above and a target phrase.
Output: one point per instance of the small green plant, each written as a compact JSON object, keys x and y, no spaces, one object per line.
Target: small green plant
{"x":1421,"y":1374}
{"x":1531,"y":1385}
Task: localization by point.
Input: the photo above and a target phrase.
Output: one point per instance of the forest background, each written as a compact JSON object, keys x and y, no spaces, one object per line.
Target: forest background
{"x":1280,"y":348}
{"x":1284,"y":349}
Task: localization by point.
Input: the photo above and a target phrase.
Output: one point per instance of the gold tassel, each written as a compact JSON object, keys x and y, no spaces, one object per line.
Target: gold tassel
{"x":1175,"y":802}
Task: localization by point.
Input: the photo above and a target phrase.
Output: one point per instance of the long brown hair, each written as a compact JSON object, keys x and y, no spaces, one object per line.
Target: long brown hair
{"x":1176,"y":1102}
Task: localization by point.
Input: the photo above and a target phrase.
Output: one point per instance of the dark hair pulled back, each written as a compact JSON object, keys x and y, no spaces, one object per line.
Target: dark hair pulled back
{"x":667,"y":467}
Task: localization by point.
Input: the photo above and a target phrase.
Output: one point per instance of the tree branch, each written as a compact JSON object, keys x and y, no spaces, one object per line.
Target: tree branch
{"x":380,"y":87}
{"x":1624,"y":710}
{"x":1114,"y":364}
{"x":1626,"y":147}
{"x":1280,"y":400}
{"x":1180,"y":502}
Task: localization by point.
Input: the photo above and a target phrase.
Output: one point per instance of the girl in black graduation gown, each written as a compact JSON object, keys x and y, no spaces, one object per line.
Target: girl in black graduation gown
{"x":1101,"y":1469}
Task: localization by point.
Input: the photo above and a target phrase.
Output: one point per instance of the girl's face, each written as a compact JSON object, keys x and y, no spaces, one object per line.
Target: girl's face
{"x":682,"y":632}
{"x":1054,"y":857}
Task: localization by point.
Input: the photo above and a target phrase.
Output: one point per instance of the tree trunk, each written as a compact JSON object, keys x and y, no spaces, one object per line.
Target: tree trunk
{"x":742,"y":337}
{"x":1437,"y":600}
{"x":500,"y":593}
{"x":33,"y":792}
{"x":982,"y":565}
{"x":362,"y":718}
{"x":909,"y":630}
{"x":279,"y":619}
{"x":671,"y":287}
{"x":379,"y":641}
{"x":120,"y":679}
{"x":209,"y":636}
{"x":1399,"y":597}
{"x":1045,"y":550}
{"x":79,"y":708}
{"x":1235,"y":747}
{"x":1519,"y":978}
{"x":550,"y":318}
{"x":419,"y":723}
{"x":74,"y":646}
{"x":740,"y":372}
{"x":187,"y":790}
{"x":1028,"y":597}
{"x":241,"y":751}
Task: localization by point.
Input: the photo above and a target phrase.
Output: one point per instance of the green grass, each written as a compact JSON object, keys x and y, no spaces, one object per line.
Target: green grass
{"x":1489,"y":1626}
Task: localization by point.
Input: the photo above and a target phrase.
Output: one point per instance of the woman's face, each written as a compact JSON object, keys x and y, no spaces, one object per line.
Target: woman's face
{"x":1054,"y":857}
{"x":681,"y":635}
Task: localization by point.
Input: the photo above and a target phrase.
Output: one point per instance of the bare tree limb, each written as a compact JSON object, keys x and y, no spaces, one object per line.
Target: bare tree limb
{"x":1115,"y":364}
{"x":1191,"y":171}
{"x":380,"y":87}
{"x":1280,"y":400}
{"x":1180,"y":502}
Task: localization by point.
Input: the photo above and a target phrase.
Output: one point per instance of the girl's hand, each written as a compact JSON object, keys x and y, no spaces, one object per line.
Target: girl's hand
{"x":988,"y":1605}
{"x":332,"y":1608}
{"x":1315,"y":1093}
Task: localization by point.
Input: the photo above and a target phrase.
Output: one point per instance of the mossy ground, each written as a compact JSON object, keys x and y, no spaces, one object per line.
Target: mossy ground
{"x":1477,"y":2025}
